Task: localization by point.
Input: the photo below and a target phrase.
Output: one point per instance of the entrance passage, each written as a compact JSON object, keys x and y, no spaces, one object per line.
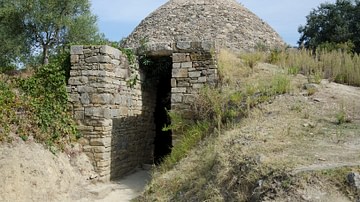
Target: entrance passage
{"x":161,"y":75}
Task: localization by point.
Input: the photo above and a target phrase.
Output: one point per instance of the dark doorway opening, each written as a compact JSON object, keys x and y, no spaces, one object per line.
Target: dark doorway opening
{"x":158,"y":74}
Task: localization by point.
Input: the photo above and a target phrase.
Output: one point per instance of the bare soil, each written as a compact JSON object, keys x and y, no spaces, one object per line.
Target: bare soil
{"x":30,"y":172}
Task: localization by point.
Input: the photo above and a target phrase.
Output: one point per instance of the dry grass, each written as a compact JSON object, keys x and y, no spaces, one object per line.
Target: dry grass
{"x":231,"y":68}
{"x":338,"y":66}
{"x":254,"y":159}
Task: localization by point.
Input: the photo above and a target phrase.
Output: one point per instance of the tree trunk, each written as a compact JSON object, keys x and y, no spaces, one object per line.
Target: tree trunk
{"x":45,"y":55}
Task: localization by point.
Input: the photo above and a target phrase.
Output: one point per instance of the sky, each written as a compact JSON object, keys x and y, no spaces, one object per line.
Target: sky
{"x":118,"y":18}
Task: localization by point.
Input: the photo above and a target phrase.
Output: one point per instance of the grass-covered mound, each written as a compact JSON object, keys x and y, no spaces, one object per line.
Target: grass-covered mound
{"x":266,"y":133}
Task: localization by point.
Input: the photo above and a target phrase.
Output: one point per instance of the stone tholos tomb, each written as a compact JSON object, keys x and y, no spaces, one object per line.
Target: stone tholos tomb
{"x":121,"y":108}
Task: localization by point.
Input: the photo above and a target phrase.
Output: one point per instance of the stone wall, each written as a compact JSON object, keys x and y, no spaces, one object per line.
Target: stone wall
{"x":117,"y":122}
{"x":193,"y":67}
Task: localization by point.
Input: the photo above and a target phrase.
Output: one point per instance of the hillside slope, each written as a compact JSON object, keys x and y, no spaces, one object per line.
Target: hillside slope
{"x":300,"y":146}
{"x":30,"y":172}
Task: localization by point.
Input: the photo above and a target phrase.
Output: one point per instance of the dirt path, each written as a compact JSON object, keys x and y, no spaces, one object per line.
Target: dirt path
{"x":123,"y":190}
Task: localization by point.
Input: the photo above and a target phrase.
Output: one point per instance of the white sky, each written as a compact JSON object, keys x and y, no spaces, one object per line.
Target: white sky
{"x":118,"y":18}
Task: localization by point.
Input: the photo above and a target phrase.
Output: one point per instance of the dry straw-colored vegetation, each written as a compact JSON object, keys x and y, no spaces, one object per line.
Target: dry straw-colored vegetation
{"x":224,"y":166}
{"x":336,"y":65}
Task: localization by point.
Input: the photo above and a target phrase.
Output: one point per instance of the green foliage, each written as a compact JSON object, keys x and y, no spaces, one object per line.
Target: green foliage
{"x":275,"y":55}
{"x":293,"y":70}
{"x":280,"y":84}
{"x":27,"y":26}
{"x":331,"y":24}
{"x":7,"y":112}
{"x":12,"y":36}
{"x":46,"y":91}
{"x":342,"y":116}
{"x":251,"y":59}
{"x":37,"y":106}
{"x":191,"y":134}
{"x":347,"y":47}
{"x":132,"y":81}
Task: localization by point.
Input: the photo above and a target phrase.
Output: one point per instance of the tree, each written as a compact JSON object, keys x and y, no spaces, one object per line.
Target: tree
{"x":48,"y":25}
{"x":332,"y":23}
{"x":12,"y":37}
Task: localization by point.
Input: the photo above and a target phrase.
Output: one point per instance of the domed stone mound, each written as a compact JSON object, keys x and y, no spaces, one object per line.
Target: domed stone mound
{"x":225,"y":21}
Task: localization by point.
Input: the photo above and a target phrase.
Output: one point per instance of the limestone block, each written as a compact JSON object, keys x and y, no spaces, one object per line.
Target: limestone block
{"x":183,"y":84}
{"x":103,"y":128}
{"x":78,"y":80}
{"x":176,"y":65}
{"x":212,"y":71}
{"x":86,"y":89}
{"x":103,"y":163}
{"x":74,"y":97}
{"x":115,"y":62}
{"x":78,"y":115}
{"x":108,"y":67}
{"x":124,"y":111}
{"x":106,"y":83}
{"x":85,"y":128}
{"x":179,"y":57}
{"x":98,"y":59}
{"x":200,"y":56}
{"x":74,"y":59}
{"x":87,"y":51}
{"x":178,"y":90}
{"x":115,"y":53}
{"x":85,"y":99}
{"x":103,"y":98}
{"x":74,"y":73}
{"x":179,"y":73}
{"x":101,"y":156}
{"x":186,"y":65}
{"x":100,"y":142}
{"x":183,"y":45}
{"x":194,"y":74}
{"x":115,"y":113}
{"x":76,"y":50}
{"x":188,"y":99}
{"x":173,"y":83}
{"x":202,"y":79}
{"x":197,"y":85}
{"x":176,"y":97}
{"x":122,"y":73}
{"x":98,"y":112}
{"x":159,"y":49}
{"x":98,"y":122}
{"x":120,"y":99}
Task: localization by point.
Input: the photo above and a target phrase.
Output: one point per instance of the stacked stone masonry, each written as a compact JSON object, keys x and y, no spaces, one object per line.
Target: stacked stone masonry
{"x":116,"y":121}
{"x":108,"y":112}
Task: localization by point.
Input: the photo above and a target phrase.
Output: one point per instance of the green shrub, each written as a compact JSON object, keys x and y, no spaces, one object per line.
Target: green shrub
{"x":293,"y":70}
{"x":47,"y":96}
{"x":37,"y":106}
{"x":252,"y":59}
{"x":280,"y":84}
{"x":275,"y":56}
{"x":7,"y":112}
{"x":189,"y":135}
